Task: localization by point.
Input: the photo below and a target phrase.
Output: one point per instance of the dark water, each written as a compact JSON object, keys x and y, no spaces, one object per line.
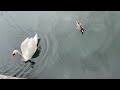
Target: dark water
{"x":65,"y":52}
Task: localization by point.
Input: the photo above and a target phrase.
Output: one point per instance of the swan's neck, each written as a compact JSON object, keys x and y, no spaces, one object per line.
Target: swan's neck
{"x":21,"y":55}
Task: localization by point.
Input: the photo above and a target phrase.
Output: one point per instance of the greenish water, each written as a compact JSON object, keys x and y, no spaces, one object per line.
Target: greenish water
{"x":65,"y":52}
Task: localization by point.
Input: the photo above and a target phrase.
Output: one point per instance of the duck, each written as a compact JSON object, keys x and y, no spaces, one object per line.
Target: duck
{"x":80,"y":26}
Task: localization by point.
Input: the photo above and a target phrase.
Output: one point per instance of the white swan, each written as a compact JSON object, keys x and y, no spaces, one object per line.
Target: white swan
{"x":28,"y":48}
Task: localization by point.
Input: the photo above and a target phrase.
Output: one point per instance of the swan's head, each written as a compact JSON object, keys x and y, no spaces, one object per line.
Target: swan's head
{"x":15,"y":52}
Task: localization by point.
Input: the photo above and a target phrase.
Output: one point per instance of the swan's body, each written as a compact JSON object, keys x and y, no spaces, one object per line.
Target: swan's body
{"x":28,"y":48}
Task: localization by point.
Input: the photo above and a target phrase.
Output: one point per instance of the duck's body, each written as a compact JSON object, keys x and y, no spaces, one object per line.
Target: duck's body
{"x":80,"y":27}
{"x":28,"y":48}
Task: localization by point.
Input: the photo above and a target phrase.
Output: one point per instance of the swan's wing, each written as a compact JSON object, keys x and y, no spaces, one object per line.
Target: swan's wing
{"x":31,"y":48}
{"x":35,"y":39}
{"x":24,"y":45}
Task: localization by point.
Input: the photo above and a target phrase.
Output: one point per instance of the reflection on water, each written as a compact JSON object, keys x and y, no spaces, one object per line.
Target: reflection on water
{"x":63,"y":52}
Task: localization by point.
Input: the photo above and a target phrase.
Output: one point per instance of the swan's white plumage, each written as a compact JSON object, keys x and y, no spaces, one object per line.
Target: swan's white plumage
{"x":24,"y":45}
{"x":29,"y":47}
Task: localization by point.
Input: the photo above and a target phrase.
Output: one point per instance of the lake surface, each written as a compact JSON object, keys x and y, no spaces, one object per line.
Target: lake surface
{"x":65,"y":52}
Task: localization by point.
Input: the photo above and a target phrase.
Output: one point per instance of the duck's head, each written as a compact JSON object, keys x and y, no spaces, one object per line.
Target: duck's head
{"x":77,"y":22}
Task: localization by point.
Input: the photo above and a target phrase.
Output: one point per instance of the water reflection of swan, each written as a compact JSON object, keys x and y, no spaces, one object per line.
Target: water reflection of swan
{"x":28,"y":48}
